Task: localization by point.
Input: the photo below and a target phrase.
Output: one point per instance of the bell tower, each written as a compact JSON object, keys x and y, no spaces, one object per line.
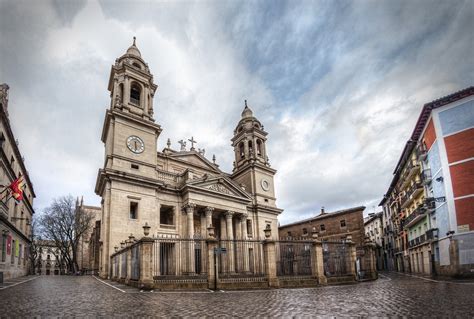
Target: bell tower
{"x":130,"y":137}
{"x":251,"y":166}
{"x":131,"y":84}
{"x":129,"y":133}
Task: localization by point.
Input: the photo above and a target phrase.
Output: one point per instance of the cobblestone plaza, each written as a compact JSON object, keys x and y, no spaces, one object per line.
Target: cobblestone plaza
{"x":391,"y":295}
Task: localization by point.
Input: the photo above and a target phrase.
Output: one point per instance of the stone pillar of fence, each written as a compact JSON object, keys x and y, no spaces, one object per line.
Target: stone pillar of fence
{"x":230,"y":237}
{"x":454,"y":256}
{"x":211,"y":266}
{"x":146,"y":263}
{"x":269,"y":259}
{"x":245,"y":249}
{"x":352,"y":256}
{"x":129,"y":265}
{"x":370,"y":260}
{"x":317,"y":262}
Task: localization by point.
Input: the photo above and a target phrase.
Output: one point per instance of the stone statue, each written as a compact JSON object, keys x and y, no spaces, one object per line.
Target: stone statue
{"x":118,"y":101}
{"x":183,"y":145}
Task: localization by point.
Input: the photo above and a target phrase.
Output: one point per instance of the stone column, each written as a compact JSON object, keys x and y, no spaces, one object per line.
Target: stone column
{"x":129,"y":265}
{"x":146,"y":263}
{"x":126,"y":91}
{"x":269,"y":260}
{"x":317,"y":262}
{"x":190,"y":233}
{"x":230,"y":237}
{"x":352,"y":257}
{"x":245,"y":243}
{"x":105,"y":233}
{"x":222,"y":258}
{"x":212,"y":274}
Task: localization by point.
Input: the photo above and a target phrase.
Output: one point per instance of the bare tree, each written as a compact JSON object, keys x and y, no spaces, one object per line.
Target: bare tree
{"x":62,"y":223}
{"x":33,"y":256}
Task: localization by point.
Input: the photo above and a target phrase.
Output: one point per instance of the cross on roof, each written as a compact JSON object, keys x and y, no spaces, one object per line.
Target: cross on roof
{"x":192,"y":143}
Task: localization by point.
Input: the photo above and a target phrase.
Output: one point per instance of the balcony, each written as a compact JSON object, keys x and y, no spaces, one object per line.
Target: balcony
{"x":426,"y":176}
{"x":409,"y":171}
{"x":431,"y":234}
{"x":421,"y":151}
{"x":418,"y":214}
{"x":412,"y":193}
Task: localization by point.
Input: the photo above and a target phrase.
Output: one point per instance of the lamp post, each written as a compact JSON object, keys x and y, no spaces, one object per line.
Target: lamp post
{"x":268,"y":231}
{"x":210,"y":231}
{"x":146,"y":229}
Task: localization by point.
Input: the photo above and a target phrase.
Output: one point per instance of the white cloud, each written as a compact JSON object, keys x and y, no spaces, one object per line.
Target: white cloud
{"x":337,"y":88}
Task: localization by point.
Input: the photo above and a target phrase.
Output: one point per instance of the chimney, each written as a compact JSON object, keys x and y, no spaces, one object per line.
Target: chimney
{"x":322,"y":210}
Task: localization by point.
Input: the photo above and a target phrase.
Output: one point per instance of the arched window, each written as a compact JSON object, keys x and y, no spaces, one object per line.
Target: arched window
{"x":135,"y":94}
{"x":135,"y":64}
{"x":241,"y":150}
{"x":250,"y":147}
{"x":259,"y":147}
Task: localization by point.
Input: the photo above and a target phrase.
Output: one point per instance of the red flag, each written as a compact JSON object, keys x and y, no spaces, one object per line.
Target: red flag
{"x":16,"y":188}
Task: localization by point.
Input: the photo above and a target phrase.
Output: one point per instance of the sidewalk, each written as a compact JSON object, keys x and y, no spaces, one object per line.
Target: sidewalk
{"x":10,"y":282}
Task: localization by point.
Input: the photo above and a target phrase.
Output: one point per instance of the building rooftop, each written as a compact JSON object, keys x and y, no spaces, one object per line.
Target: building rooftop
{"x":325,"y":215}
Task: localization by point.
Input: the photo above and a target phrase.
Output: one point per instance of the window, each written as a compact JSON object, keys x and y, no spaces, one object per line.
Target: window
{"x":135,"y":166}
{"x":289,"y":234}
{"x":135,"y":94}
{"x":241,"y":150}
{"x":2,"y":139}
{"x":133,"y":210}
{"x":19,"y":254}
{"x":135,"y":64}
{"x":322,"y":227}
{"x":305,"y":231}
{"x":4,"y":248}
{"x":12,"y":160}
{"x":259,"y":147}
{"x":250,"y":147}
{"x":167,"y":215}
{"x":249,"y":228}
{"x":13,"y":252}
{"x":343,"y":223}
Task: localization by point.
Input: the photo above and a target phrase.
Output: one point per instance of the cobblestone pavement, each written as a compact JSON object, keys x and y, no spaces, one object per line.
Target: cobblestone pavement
{"x":391,"y":295}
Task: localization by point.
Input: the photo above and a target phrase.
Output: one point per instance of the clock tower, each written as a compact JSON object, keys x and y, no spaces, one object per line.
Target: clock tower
{"x":130,"y":137}
{"x":252,"y":167}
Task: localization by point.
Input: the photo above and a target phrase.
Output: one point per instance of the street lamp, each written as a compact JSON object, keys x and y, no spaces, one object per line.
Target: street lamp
{"x":146,"y":230}
{"x":268,"y":231}
{"x":210,"y":231}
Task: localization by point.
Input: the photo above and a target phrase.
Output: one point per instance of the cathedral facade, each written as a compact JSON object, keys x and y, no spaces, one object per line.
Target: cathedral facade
{"x":178,"y":193}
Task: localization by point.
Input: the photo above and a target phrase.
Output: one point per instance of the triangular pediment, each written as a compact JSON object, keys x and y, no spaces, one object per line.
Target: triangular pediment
{"x":220,"y":184}
{"x":195,"y":159}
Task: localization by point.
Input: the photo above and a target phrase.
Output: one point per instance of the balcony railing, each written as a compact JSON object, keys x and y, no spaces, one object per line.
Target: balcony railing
{"x":421,"y":151}
{"x":134,"y":101}
{"x":409,"y":195}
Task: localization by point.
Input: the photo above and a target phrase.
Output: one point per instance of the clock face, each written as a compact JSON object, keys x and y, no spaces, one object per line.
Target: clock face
{"x":135,"y":144}
{"x":265,"y":184}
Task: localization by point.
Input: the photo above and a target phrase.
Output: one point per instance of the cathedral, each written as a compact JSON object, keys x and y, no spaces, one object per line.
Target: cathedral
{"x":178,"y":193}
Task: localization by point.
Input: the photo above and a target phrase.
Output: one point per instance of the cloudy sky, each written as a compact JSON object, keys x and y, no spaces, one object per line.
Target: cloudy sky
{"x":337,"y":84}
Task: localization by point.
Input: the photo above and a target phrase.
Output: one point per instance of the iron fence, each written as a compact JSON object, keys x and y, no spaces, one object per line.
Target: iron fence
{"x":336,"y":258}
{"x":135,"y":262}
{"x":293,"y":258}
{"x":123,"y":264}
{"x":177,"y":257}
{"x":238,"y":258}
